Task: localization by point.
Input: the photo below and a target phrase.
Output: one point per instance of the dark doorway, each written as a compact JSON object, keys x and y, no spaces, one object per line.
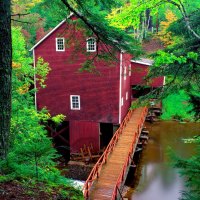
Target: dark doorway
{"x":138,"y":91}
{"x":60,"y":138}
{"x":106,"y":133}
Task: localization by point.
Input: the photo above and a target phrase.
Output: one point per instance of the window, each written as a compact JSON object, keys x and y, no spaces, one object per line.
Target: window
{"x":60,"y":44}
{"x":122,"y":103}
{"x":91,"y":45}
{"x":129,"y":70}
{"x":75,"y":102}
{"x":124,"y":73}
{"x":126,"y":95}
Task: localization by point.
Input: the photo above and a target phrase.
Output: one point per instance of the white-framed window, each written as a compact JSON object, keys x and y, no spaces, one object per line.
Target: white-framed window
{"x":129,"y":70}
{"x":126,"y":95}
{"x":60,"y":44}
{"x":122,"y":103}
{"x":75,"y":102}
{"x":124,"y":73}
{"x":91,"y":45}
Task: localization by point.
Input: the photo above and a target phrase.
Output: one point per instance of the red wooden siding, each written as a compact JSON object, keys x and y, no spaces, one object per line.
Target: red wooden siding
{"x":99,"y":92}
{"x":83,"y":132}
{"x":125,"y":85}
{"x":139,"y":71}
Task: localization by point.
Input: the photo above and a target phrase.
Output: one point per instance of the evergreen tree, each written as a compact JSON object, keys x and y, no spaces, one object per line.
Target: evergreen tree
{"x":189,"y":169}
{"x":31,"y":154}
{"x":181,"y":61}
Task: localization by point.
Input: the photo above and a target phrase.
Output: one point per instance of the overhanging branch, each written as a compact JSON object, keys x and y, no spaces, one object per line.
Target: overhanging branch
{"x":182,"y":9}
{"x":79,"y":15}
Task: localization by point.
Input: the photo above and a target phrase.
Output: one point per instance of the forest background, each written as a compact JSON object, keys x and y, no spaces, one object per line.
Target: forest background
{"x":29,"y":157}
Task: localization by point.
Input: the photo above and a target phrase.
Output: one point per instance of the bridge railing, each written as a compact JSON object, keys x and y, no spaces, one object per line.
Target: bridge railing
{"x":122,"y":175}
{"x":94,"y":174}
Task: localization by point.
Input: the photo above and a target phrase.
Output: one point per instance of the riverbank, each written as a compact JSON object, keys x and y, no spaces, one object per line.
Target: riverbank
{"x":77,"y":170}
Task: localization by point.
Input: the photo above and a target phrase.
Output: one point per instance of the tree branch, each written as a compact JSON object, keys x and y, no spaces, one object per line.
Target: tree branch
{"x":79,"y":15}
{"x":20,"y":14}
{"x":181,"y":8}
{"x":21,"y":21}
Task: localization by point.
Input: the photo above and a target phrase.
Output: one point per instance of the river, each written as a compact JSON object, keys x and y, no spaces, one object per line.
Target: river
{"x":155,"y":178}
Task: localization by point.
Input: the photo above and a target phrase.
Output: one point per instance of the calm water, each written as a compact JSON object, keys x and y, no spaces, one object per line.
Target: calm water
{"x":155,"y":178}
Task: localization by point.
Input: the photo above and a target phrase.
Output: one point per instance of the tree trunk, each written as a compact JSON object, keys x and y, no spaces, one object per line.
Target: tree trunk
{"x":5,"y":76}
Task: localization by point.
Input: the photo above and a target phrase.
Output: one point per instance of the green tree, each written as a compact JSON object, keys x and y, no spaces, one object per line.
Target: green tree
{"x":180,"y":62}
{"x":28,"y":136}
{"x":31,"y":154}
{"x":129,"y":14}
{"x":177,"y":106}
{"x":189,"y":169}
{"x":164,"y":35}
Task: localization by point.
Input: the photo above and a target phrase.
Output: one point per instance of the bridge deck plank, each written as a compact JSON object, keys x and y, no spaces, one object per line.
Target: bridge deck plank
{"x":103,"y":187}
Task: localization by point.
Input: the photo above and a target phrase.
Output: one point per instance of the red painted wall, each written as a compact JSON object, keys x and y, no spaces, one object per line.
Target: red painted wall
{"x":99,"y":92}
{"x":139,"y":71}
{"x":83,"y":132}
{"x":126,"y":87}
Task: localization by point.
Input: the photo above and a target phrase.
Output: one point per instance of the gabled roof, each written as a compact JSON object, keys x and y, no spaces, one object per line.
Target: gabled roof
{"x":48,"y":34}
{"x":143,"y":61}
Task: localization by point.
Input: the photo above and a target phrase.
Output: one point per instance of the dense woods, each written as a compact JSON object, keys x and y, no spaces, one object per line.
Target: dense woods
{"x":26,"y":152}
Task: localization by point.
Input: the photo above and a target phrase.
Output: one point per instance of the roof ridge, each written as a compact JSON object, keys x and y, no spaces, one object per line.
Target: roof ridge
{"x":48,"y":34}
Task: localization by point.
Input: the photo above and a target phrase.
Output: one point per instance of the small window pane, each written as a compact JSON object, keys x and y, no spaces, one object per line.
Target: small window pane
{"x":60,"y":44}
{"x":91,"y":45}
{"x":75,"y":102}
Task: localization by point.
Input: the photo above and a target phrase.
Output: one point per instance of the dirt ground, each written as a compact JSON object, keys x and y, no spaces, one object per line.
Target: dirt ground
{"x":77,"y":170}
{"x":14,"y":190}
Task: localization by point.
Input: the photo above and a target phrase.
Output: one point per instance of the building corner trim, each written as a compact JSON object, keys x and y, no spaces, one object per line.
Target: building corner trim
{"x":120,"y":87}
{"x":35,"y":87}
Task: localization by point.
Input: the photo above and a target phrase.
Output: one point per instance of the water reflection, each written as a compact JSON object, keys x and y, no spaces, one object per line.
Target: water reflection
{"x":157,"y":178}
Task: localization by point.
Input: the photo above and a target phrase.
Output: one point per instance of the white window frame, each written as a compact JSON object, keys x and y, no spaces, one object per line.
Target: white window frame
{"x":88,"y":45}
{"x":125,"y":73}
{"x":71,"y":102}
{"x":126,"y":95}
{"x":63,"y":39}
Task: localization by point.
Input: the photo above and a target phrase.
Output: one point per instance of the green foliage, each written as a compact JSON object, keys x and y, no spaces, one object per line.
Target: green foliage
{"x":51,"y":11}
{"x":31,"y":155}
{"x":58,"y":119}
{"x":42,"y":69}
{"x":94,"y":12}
{"x":181,"y":62}
{"x":195,"y":101}
{"x":190,"y":170}
{"x":129,"y":15}
{"x":112,"y":36}
{"x":26,"y":4}
{"x":88,"y":66}
{"x":164,"y":35}
{"x":176,"y":106}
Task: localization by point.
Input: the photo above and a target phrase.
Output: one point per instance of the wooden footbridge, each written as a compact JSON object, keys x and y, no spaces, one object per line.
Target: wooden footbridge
{"x":109,"y":173}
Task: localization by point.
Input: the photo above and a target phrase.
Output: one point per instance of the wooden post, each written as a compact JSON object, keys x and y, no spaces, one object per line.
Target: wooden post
{"x":89,"y":153}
